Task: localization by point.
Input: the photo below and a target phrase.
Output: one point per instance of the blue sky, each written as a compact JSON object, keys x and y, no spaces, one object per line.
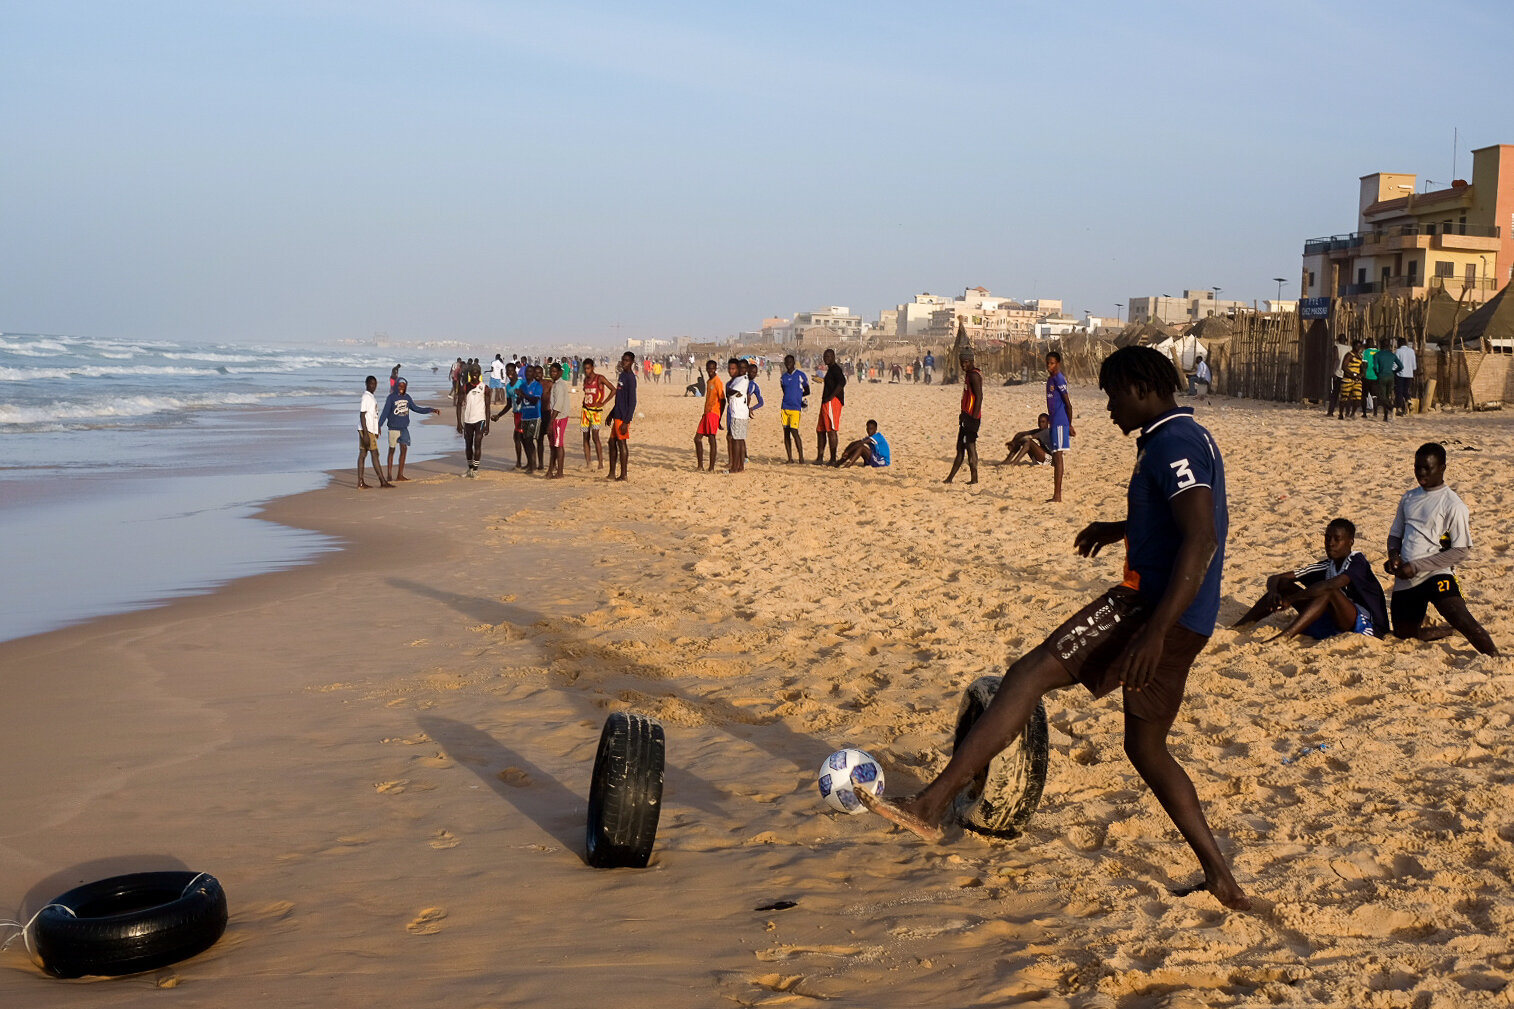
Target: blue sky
{"x":523,"y":174}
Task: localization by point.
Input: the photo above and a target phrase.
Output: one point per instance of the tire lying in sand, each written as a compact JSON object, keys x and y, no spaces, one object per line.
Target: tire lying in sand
{"x":1000,"y":801}
{"x":129,"y":924}
{"x":625,"y":797}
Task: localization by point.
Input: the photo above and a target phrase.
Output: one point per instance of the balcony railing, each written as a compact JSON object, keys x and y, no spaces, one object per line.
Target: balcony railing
{"x":1357,"y":239}
{"x":1462,"y":283}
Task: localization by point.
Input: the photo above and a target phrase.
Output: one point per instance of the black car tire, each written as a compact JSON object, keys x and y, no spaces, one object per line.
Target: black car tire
{"x":129,"y":924}
{"x":625,"y":796}
{"x":1000,"y":801}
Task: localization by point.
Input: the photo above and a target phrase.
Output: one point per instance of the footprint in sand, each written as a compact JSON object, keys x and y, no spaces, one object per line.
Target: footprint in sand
{"x":444,"y":839}
{"x":391,"y":787}
{"x":514,"y":776}
{"x":428,"y":922}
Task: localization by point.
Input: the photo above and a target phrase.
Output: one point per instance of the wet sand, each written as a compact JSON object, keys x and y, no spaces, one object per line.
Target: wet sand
{"x":385,"y":756}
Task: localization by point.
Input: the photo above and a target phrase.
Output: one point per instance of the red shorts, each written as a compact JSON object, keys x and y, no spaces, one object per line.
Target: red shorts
{"x":708,"y":424}
{"x":517,"y":422}
{"x":620,"y":430}
{"x":559,"y":432}
{"x":830,"y":416}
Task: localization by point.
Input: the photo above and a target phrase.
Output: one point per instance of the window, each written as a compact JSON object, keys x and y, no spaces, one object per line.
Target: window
{"x":1413,"y":272}
{"x":1471,"y":274}
{"x":1445,"y":268}
{"x":1361,"y":275}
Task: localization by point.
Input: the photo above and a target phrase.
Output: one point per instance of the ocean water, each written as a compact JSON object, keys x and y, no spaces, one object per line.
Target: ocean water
{"x":129,"y":470}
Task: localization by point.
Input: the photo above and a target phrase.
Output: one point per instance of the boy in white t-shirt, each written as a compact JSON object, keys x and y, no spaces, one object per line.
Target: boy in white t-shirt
{"x":740,"y":413}
{"x":1431,"y":533}
{"x":367,"y":434}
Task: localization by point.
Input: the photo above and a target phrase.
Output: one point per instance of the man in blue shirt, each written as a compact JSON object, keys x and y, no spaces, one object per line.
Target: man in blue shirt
{"x":529,"y":411}
{"x":397,"y":410}
{"x":621,"y":415}
{"x":930,"y":367}
{"x":1141,"y":635}
{"x":1059,"y":408}
{"x":795,"y":387}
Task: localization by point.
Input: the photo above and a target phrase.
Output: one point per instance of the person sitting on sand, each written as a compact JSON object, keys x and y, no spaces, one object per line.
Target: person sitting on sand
{"x":1034,"y":444}
{"x":396,"y":416}
{"x":1430,"y":535}
{"x":1337,"y":595}
{"x":1141,"y":635}
{"x":871,"y":451}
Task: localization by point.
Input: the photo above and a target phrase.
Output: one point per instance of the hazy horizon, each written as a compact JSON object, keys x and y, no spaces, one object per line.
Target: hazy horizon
{"x":509,"y":175}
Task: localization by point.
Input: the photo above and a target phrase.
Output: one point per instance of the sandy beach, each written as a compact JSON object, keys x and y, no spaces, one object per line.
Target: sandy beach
{"x":384,"y":756}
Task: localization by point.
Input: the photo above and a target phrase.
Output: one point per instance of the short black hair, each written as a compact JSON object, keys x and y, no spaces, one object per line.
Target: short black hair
{"x":788,"y":357}
{"x":1433,"y":449}
{"x":1041,"y":415}
{"x":1345,"y":524}
{"x":872,"y":423}
{"x":587,"y":360}
{"x":734,"y":360}
{"x":1141,"y":368}
{"x":370,"y":378}
{"x":1054,"y":354}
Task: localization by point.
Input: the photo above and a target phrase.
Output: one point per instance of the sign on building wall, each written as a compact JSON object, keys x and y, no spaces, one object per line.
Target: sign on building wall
{"x":1314,"y":308}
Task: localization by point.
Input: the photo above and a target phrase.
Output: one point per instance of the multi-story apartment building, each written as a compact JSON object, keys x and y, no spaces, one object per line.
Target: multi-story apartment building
{"x":1459,"y":239}
{"x":1194,"y":305}
{"x":836,"y":318}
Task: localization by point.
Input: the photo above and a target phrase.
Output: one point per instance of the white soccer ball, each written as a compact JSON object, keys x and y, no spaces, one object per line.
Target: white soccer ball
{"x":843,"y":773}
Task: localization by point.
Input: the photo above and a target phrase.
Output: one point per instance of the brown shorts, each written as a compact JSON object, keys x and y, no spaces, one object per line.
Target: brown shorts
{"x":1090,"y":642}
{"x":367,"y":440}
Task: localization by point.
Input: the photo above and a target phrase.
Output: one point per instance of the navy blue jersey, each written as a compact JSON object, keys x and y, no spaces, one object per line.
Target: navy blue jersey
{"x":625,"y":397}
{"x":1173,"y":454}
{"x":1362,"y":586}
{"x":795,"y":386}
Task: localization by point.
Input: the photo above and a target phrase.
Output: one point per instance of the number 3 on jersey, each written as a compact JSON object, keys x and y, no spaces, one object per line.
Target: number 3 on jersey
{"x":1185,"y":475}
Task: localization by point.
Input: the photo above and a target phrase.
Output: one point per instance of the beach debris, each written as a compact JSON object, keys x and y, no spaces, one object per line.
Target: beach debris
{"x":777,"y":905}
{"x":1300,"y":755}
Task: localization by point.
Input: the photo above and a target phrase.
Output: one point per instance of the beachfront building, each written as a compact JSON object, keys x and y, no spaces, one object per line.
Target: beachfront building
{"x":836,"y":318}
{"x":776,"y":329}
{"x":984,"y":315}
{"x":1459,"y":239}
{"x":912,"y":319}
{"x":1195,"y":304}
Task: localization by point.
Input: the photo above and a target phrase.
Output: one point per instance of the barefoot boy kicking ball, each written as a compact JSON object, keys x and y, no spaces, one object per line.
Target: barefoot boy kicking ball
{"x":1339,"y":594}
{"x":1141,"y":635}
{"x":1431,"y":533}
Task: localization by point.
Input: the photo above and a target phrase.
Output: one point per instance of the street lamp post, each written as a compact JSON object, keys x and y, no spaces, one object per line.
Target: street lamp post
{"x":1217,"y":291}
{"x":1117,"y":306}
{"x":1280,"y":282}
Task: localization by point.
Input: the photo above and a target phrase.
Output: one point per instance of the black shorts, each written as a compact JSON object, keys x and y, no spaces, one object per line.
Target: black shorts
{"x":967,"y":430}
{"x":1090,"y":642}
{"x":1408,"y":606}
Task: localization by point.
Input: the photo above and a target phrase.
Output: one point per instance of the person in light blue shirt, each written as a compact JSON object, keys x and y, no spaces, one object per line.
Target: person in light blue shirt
{"x":870,"y":451}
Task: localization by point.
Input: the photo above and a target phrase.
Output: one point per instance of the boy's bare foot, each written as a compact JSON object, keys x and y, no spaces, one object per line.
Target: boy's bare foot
{"x":362,"y":486}
{"x":399,"y":478}
{"x":1232,"y":897}
{"x":1435,"y":632}
{"x":898,"y":815}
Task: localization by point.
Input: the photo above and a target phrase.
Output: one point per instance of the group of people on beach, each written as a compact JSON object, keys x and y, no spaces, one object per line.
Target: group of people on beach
{"x":732,"y":402}
{"x":1142,"y":635}
{"x":1372,"y":377}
